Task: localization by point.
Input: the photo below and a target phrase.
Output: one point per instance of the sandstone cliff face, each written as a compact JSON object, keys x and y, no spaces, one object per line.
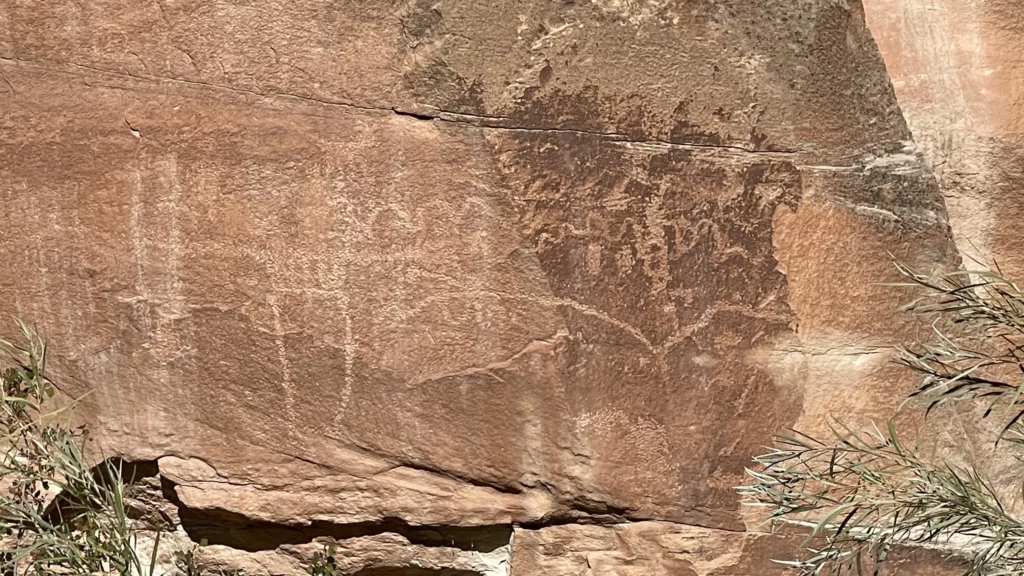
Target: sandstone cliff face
{"x":479,"y":288}
{"x":959,"y":76}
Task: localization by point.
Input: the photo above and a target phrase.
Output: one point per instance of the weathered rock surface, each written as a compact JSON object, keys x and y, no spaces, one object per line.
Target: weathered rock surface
{"x":958,"y":73}
{"x":461,"y":265}
{"x":959,"y":77}
{"x":660,"y":549}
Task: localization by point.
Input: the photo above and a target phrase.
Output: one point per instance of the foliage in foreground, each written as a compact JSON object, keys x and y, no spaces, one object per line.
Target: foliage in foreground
{"x":59,"y":515}
{"x":867,"y":490}
{"x":324,"y":563}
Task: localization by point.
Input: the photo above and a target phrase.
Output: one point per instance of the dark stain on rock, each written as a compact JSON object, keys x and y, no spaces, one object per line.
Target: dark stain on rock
{"x":545,"y":74}
{"x":839,"y":43}
{"x":439,"y":86}
{"x":422,"y":20}
{"x":758,"y":139}
{"x":591,"y":110}
{"x":587,"y":109}
{"x":435,"y":84}
{"x":655,"y":238}
{"x":684,"y":131}
{"x":669,"y":255}
{"x":911,"y":192}
{"x":731,"y":261}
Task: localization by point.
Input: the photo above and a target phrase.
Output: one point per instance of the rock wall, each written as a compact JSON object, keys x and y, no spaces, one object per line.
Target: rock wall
{"x":959,"y":76}
{"x":478,"y":288}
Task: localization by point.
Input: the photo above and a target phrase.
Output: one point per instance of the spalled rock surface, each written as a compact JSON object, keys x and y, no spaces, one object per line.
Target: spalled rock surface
{"x":957,"y":70}
{"x":461,"y":264}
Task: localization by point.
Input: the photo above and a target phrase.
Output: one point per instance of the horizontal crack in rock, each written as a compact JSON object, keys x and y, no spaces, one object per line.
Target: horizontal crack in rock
{"x":497,"y":487}
{"x":480,"y":121}
{"x":226,"y":528}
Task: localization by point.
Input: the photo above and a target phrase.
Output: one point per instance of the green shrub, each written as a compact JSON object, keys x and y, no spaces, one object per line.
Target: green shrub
{"x":324,"y":562}
{"x":57,"y":514}
{"x":867,"y":491}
